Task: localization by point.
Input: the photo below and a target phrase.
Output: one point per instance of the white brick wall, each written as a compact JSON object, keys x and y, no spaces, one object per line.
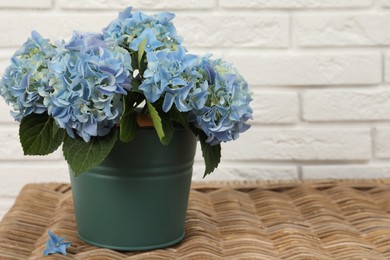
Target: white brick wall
{"x":315,"y":68}
{"x":295,"y":4}
{"x":275,"y":107}
{"x":248,"y":30}
{"x":304,"y":144}
{"x":144,"y":4}
{"x":382,"y":142}
{"x":342,"y":30}
{"x":345,"y":105}
{"x":319,"y":70}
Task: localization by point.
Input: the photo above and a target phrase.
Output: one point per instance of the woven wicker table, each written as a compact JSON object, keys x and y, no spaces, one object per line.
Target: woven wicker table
{"x":233,"y":220}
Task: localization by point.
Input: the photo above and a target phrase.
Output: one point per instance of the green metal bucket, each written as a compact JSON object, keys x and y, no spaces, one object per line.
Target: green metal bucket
{"x":137,"y":198}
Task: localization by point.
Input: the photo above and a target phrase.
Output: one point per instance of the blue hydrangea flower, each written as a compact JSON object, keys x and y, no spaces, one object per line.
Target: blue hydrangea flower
{"x":27,"y":74}
{"x":81,"y":83}
{"x":89,"y":76}
{"x":224,"y":115}
{"x":130,"y":29}
{"x":197,"y":74}
{"x":151,"y":41}
{"x":165,"y":77}
{"x":55,"y":245}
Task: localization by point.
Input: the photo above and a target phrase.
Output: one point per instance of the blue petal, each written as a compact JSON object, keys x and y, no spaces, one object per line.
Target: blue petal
{"x":165,"y":17}
{"x":168,"y":102}
{"x":211,"y":73}
{"x":53,"y":237}
{"x":125,"y":13}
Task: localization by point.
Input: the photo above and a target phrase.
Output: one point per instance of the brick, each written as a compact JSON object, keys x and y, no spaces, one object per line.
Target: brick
{"x":4,"y":63}
{"x":355,"y":105}
{"x":275,"y":107}
{"x":300,"y":145}
{"x":386,"y":3}
{"x":387,"y":67}
{"x":15,"y":176}
{"x":295,"y":4}
{"x":15,"y":29}
{"x":205,"y":30}
{"x":5,"y":59}
{"x":246,"y":172}
{"x":342,"y":30}
{"x":382,"y":142}
{"x":142,"y":4}
{"x":5,"y":116}
{"x":25,"y":4}
{"x":11,"y":149}
{"x":346,"y":171}
{"x":309,"y":68}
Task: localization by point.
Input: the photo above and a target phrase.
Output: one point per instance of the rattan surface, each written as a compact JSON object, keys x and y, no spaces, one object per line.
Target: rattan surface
{"x":234,"y":220}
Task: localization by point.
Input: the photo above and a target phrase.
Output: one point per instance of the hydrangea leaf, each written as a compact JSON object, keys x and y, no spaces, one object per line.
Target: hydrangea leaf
{"x":142,"y":64}
{"x":38,"y":134}
{"x":156,"y":120}
{"x":168,"y":128}
{"x":141,"y":51}
{"x":141,"y":57}
{"x":180,"y":117}
{"x":82,"y":156}
{"x":128,"y":126}
{"x":211,"y":155}
{"x":162,"y":125}
{"x":55,"y":129}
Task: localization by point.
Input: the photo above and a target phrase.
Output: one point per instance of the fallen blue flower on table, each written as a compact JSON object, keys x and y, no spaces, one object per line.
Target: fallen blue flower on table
{"x":56,"y":245}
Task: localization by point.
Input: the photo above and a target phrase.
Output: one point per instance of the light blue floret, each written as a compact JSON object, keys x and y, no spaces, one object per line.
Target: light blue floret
{"x":165,"y":77}
{"x":55,"y":245}
{"x":129,"y":30}
{"x":89,"y":75}
{"x":227,"y":107}
{"x":27,"y":74}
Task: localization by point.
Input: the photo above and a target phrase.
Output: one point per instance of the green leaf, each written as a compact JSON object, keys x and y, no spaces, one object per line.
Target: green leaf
{"x":135,"y":86}
{"x":168,"y":128}
{"x":55,"y":129}
{"x":128,"y":124}
{"x":156,"y":120}
{"x":141,"y":51}
{"x":134,"y":60}
{"x":39,"y":135}
{"x":162,"y":124}
{"x":180,"y":117}
{"x":211,"y":155}
{"x":143,"y":66}
{"x":82,"y":156}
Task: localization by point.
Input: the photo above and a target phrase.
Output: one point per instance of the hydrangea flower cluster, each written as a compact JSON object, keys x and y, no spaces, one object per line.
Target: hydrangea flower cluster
{"x":226,"y":111}
{"x":88,"y":76}
{"x":130,"y":29}
{"x":92,"y":82}
{"x":27,"y":77}
{"x":166,"y":77}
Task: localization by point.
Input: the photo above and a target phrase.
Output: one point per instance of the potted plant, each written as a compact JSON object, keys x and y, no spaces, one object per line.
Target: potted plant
{"x":128,"y":106}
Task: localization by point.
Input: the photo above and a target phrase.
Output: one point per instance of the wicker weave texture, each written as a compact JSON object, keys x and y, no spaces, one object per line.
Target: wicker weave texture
{"x":317,"y":220}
